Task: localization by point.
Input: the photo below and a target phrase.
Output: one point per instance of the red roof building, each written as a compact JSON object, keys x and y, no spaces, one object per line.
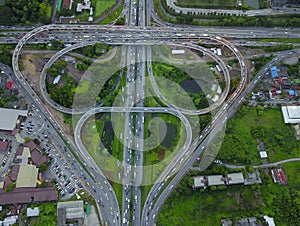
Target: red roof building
{"x":9,"y":84}
{"x":37,"y":158}
{"x":28,"y":195}
{"x":4,"y":145}
{"x":67,"y":4}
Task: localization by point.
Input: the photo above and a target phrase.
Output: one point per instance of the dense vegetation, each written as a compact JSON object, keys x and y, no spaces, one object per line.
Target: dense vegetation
{"x":61,"y":94}
{"x":258,"y":124}
{"x":5,"y":99}
{"x":5,"y":53}
{"x":186,"y":206}
{"x":94,"y":51}
{"x":26,"y":12}
{"x":294,"y":69}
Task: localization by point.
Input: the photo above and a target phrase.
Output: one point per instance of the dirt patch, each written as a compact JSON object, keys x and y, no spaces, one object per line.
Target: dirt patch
{"x":161,"y":154}
{"x":33,"y":64}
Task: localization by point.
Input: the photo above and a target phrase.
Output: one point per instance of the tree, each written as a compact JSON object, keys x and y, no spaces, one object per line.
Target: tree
{"x":36,"y":141}
{"x":9,"y":187}
{"x":43,"y":167}
{"x":43,"y":184}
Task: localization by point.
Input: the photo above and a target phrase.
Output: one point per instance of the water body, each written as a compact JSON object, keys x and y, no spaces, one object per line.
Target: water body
{"x":190,"y":86}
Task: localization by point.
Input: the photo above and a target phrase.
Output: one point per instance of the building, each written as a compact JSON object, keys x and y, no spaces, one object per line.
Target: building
{"x":235,"y":178}
{"x":70,"y":211}
{"x":37,"y":158}
{"x":4,"y":145}
{"x":11,"y":220}
{"x":178,"y":51}
{"x":9,"y":84}
{"x":215,"y":180}
{"x":278,"y":3}
{"x":56,"y":80}
{"x":32,"y":212}
{"x":28,"y":195}
{"x":27,"y":177}
{"x":226,"y":222}
{"x":199,"y":182}
{"x":291,"y":114}
{"x":263,"y":154}
{"x":269,"y":220}
{"x":291,"y":94}
{"x":9,"y":118}
{"x":86,"y":5}
{"x":279,"y":176}
{"x":274,"y":72}
{"x":67,"y":4}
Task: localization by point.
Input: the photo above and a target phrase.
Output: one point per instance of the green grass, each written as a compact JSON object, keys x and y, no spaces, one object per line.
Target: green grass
{"x":112,"y":16}
{"x":292,"y":170}
{"x":49,"y":11}
{"x":83,"y":87}
{"x":92,"y":134}
{"x":207,"y":2}
{"x":239,"y":145}
{"x":285,"y":40}
{"x":47,"y":216}
{"x":102,"y":6}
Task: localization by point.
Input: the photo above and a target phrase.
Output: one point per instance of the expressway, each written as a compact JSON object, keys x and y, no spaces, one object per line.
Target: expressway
{"x":77,"y":33}
{"x":182,"y":155}
{"x":137,"y":37}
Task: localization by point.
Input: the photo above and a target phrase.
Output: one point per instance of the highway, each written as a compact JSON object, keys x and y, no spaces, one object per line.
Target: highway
{"x":182,"y":155}
{"x":77,"y":33}
{"x":136,"y":38}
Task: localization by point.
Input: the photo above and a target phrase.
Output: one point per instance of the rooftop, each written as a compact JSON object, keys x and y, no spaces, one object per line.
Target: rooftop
{"x":291,"y":114}
{"x":9,"y":117}
{"x":269,"y":220}
{"x":215,"y":180}
{"x":73,"y":209}
{"x":263,"y":154}
{"x":235,"y":178}
{"x":32,"y":212}
{"x":28,"y":195}
{"x":199,"y":182}
{"x":27,"y":176}
{"x":274,"y":72}
{"x":4,"y":145}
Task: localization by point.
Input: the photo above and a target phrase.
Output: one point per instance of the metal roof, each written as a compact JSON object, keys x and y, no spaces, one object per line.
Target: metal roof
{"x":235,"y":178}
{"x":198,"y":182}
{"x":215,"y":180}
{"x":32,"y":212}
{"x":73,"y":209}
{"x":291,"y":114}
{"x":9,"y":117}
